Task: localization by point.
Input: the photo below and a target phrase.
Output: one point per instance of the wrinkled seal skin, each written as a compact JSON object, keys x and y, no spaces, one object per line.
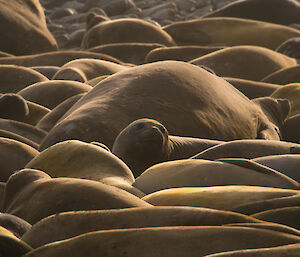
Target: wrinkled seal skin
{"x":23,"y":25}
{"x":146,"y":142}
{"x":160,"y":91}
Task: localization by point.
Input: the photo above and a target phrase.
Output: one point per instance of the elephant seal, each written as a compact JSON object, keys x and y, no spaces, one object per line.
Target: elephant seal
{"x":46,"y":196}
{"x":146,"y":142}
{"x":279,"y":251}
{"x":290,"y":47}
{"x":14,"y":156}
{"x":238,"y":31}
{"x":89,"y":162}
{"x":273,"y":11}
{"x":56,"y":58}
{"x":284,"y":76}
{"x":53,"y":92}
{"x":13,"y":107}
{"x":180,"y":53}
{"x":134,"y":53}
{"x":167,"y":240}
{"x":288,"y":216}
{"x":14,"y":224}
{"x":285,"y":163}
{"x":47,"y":71}
{"x":292,"y":93}
{"x":15,"y":78}
{"x":269,"y":225}
{"x":85,"y":69}
{"x":267,"y":204}
{"x":23,"y":129}
{"x":242,"y":62}
{"x":252,"y":89}
{"x":204,"y":173}
{"x":14,"y":136}
{"x":229,"y":197}
{"x":23,"y":28}
{"x":11,"y":245}
{"x":49,"y":120}
{"x":248,"y":149}
{"x":70,"y":224}
{"x":152,"y":91}
{"x":127,"y":30}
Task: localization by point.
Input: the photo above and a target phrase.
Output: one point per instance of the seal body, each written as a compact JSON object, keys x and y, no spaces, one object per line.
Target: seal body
{"x":160,"y":91}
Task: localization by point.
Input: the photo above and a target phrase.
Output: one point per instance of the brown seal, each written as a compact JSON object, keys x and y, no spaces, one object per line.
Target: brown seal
{"x":252,"y":89}
{"x":288,"y":216}
{"x":263,"y":10}
{"x":146,"y":142}
{"x":46,"y":196}
{"x":203,"y":173}
{"x":291,"y":47}
{"x":134,"y":53}
{"x":180,"y":53}
{"x":23,"y":28}
{"x":85,"y":69}
{"x":11,"y":245}
{"x":127,"y":30}
{"x":170,"y":241}
{"x":229,"y":31}
{"x":247,"y":149}
{"x":285,"y":163}
{"x":279,"y":251}
{"x":245,"y":62}
{"x":14,"y":156}
{"x":51,"y":93}
{"x":89,"y":162}
{"x":284,"y":76}
{"x":56,"y":58}
{"x":228,"y":197}
{"x":187,"y":99}
{"x":13,"y":107}
{"x":15,"y":78}
{"x":71,"y":224}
